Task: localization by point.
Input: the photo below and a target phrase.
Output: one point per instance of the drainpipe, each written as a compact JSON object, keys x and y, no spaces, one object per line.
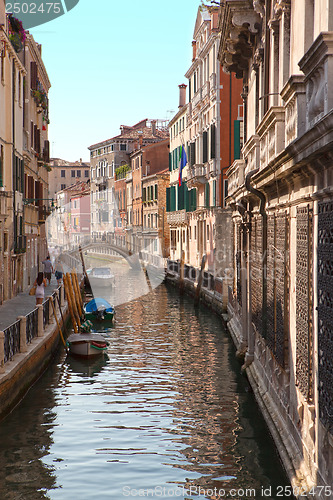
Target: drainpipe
{"x":249,"y":357}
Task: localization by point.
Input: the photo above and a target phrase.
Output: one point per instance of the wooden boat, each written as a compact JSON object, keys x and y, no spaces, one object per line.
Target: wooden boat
{"x":86,"y":345}
{"x":98,"y":309}
{"x":101,"y":277}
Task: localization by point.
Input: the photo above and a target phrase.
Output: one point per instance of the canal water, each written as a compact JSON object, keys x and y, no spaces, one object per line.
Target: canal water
{"x":164,"y":414}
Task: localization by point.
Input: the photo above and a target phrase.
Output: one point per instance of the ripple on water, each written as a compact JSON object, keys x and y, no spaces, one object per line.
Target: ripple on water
{"x":165,"y":408}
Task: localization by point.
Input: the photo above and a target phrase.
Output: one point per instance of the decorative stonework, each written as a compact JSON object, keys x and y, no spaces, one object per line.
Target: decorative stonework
{"x":240,"y":25}
{"x":317,"y":65}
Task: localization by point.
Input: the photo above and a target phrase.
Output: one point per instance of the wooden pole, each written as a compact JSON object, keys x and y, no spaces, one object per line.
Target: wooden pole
{"x":198,"y":289}
{"x":85,"y":272}
{"x":71,"y":293}
{"x":76,"y":293}
{"x":78,"y":289}
{"x":59,"y":327}
{"x":69,"y":301}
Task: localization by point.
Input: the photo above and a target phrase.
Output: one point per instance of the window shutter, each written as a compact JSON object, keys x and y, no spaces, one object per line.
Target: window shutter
{"x":144,"y":194}
{"x":32,"y":128}
{"x":237,"y":147}
{"x":172,"y":198}
{"x":212,"y":141}
{"x":156,"y":192}
{"x":192,"y":153}
{"x":205,"y":151}
{"x":46,"y":152}
{"x":181,"y":197}
{"x":168,"y":198}
{"x":170,"y":162}
{"x":207,"y":195}
{"x":214,"y":193}
{"x":33,"y":75}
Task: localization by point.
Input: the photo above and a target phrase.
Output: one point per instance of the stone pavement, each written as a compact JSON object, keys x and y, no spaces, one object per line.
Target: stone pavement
{"x":21,"y":305}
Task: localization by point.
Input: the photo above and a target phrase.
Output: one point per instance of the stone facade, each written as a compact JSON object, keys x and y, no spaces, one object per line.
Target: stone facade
{"x":65,"y":173}
{"x":24,"y":85}
{"x":280,"y":192}
{"x":205,"y":126}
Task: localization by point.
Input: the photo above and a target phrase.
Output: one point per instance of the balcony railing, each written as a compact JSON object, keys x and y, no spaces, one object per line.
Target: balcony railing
{"x":197,"y":98}
{"x":235,"y":176}
{"x":177,"y":217}
{"x":3,"y":204}
{"x":197,"y":175}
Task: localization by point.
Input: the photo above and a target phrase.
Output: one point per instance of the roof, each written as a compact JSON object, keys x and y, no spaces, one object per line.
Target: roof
{"x":133,"y":133}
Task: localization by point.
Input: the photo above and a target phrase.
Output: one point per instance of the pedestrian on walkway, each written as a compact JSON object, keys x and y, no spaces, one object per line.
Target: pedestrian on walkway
{"x":59,"y":272}
{"x":48,"y":268}
{"x":40,"y":284}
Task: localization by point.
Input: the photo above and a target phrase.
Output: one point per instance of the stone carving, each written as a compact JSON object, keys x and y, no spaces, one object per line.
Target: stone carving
{"x":259,"y":7}
{"x":291,"y":121}
{"x":316,"y":95}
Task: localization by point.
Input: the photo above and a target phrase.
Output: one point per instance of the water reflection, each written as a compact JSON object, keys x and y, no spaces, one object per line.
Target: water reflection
{"x":166,"y":408}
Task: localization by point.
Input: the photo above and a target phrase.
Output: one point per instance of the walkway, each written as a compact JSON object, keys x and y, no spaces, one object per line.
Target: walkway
{"x":21,"y":305}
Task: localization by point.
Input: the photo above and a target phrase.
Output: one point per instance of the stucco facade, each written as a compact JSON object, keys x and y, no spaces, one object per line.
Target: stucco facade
{"x":280,"y":191}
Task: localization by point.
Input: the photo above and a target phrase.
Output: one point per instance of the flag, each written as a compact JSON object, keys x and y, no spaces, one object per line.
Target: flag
{"x":182,"y":163}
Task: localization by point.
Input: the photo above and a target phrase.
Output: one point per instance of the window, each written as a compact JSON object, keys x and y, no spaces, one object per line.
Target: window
{"x":73,"y":173}
{"x":63,"y":186}
{"x":78,"y":173}
{"x":122,"y":147}
{"x":155,"y":192}
{"x":63,"y":173}
{"x":86,"y":173}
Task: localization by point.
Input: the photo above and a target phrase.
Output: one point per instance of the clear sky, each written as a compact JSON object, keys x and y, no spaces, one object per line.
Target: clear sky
{"x":112,"y":63}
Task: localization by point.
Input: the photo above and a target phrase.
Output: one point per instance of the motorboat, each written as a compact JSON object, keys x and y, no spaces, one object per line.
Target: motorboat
{"x":101,"y":277}
{"x":99,"y":309}
{"x":86,"y":345}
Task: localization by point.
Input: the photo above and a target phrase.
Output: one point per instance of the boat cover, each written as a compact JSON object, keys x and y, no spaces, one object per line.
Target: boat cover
{"x":96,"y":304}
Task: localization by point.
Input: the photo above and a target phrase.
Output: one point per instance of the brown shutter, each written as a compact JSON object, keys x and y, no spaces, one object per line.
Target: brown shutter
{"x":31,"y":134}
{"x":46,"y":152}
{"x":38,"y":140}
{"x":33,"y":75}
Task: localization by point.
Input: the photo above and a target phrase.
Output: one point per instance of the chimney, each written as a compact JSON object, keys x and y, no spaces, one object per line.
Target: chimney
{"x":194,"y":49}
{"x":182,"y":95}
{"x":140,"y":139}
{"x":80,"y":160}
{"x":153,"y":127}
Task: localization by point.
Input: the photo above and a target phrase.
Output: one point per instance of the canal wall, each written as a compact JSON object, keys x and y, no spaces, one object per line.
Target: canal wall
{"x":293,"y":432}
{"x":26,"y":349}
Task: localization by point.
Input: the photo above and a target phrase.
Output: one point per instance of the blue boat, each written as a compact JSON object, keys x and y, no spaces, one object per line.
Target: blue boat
{"x":99,"y":309}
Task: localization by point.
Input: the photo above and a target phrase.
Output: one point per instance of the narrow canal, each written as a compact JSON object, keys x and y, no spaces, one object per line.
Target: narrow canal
{"x":164,"y":414}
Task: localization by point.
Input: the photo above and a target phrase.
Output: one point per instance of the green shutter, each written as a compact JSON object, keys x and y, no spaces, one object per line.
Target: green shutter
{"x":207,"y":195}
{"x":172,"y":198}
{"x":236,"y":139}
{"x":193,"y":199}
{"x":168,"y":196}
{"x":181,"y":197}
{"x":214,"y":193}
{"x":156,"y":195}
{"x":187,"y":198}
{"x":170,"y":162}
{"x":144,"y":194}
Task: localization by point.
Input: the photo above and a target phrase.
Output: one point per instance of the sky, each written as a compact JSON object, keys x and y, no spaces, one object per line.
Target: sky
{"x":113,"y":63}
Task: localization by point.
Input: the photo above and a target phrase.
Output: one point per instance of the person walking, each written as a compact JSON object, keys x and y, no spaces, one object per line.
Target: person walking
{"x":48,"y":268}
{"x":40,"y":284}
{"x":59,"y":272}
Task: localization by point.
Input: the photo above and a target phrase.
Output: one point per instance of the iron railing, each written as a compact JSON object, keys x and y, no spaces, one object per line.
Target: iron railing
{"x":32,"y":325}
{"x":11,"y":341}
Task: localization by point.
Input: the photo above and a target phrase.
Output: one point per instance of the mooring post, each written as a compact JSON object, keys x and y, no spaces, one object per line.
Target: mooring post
{"x":181,"y":273}
{"x":40,"y":321}
{"x":199,"y":285}
{"x":23,"y":333}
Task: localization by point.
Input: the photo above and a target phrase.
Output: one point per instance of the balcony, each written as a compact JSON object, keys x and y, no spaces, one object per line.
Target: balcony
{"x":178,"y":217}
{"x":206,"y":90}
{"x":196,"y":175}
{"x":294,"y":96}
{"x":235,"y":176}
{"x":20,"y":244}
{"x":197,"y":98}
{"x":129,"y":176}
{"x":43,"y":213}
{"x":3,"y":205}
{"x":272,"y":135}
